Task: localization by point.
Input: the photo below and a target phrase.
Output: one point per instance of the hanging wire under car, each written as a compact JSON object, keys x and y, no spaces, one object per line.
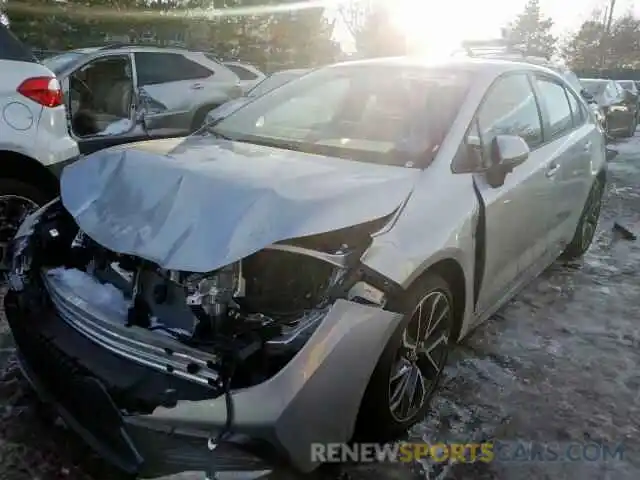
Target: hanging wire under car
{"x":212,"y":443}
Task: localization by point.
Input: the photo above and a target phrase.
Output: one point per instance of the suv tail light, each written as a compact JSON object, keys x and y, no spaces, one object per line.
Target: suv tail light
{"x":43,"y":90}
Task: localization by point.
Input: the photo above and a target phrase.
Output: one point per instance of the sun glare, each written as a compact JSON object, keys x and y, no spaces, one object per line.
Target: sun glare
{"x":437,"y":28}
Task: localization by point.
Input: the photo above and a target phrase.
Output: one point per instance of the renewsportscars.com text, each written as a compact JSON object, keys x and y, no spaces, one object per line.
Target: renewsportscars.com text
{"x":494,"y":451}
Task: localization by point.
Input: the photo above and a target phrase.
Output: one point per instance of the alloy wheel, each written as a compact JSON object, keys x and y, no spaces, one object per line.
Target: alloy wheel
{"x":13,"y":210}
{"x":421,"y":357}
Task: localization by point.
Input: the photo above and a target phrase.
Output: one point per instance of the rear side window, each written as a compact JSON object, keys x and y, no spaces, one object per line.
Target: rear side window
{"x":13,"y":49}
{"x":155,"y":68}
{"x":510,"y":108}
{"x":554,"y":100}
{"x":242,"y":73}
{"x":578,"y":111}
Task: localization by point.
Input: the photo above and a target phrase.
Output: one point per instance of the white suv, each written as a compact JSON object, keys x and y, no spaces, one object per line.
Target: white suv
{"x":34,"y":141}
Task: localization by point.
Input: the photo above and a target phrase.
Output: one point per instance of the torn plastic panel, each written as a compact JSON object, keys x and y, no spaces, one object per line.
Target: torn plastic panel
{"x":210,"y":202}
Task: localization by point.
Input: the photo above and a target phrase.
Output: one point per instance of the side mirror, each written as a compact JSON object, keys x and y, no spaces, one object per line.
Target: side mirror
{"x":507,"y":152}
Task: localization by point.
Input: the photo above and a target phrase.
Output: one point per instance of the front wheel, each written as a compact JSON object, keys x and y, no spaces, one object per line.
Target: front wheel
{"x":17,"y":200}
{"x":410,"y":367}
{"x":586,"y":230}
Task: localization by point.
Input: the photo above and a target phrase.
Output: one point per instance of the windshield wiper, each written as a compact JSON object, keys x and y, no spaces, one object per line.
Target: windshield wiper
{"x":274,"y":143}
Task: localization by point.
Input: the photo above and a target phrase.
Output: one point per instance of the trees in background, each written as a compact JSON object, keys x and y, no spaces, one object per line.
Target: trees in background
{"x":588,"y":48}
{"x":289,"y":38}
{"x":532,"y":30}
{"x":377,"y":36}
{"x":591,"y":47}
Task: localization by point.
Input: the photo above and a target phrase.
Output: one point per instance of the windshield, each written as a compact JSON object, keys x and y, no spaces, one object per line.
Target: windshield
{"x":58,"y":63}
{"x":365,"y":113}
{"x":594,"y":87}
{"x":272,"y":81}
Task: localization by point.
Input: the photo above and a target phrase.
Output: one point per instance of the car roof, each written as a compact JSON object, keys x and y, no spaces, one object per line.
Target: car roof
{"x":292,"y":71}
{"x":600,"y":80}
{"x":492,"y":66}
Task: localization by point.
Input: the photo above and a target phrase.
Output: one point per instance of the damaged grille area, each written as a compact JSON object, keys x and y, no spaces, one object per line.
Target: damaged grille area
{"x":126,"y":342}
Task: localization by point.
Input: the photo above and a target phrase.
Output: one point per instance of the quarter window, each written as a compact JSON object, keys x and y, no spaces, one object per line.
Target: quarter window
{"x":510,"y":109}
{"x":577,"y":110}
{"x":155,"y":68}
{"x":553,"y":97}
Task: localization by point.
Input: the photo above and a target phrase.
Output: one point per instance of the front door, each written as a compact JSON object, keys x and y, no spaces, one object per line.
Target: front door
{"x":101,"y":103}
{"x":517,"y":212}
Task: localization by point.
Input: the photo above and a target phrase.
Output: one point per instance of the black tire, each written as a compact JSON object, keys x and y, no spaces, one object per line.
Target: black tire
{"x":376,"y":422}
{"x":586,"y":229}
{"x":8,"y":227}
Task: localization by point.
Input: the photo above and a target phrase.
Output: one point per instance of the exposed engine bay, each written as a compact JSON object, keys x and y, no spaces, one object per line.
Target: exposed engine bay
{"x":251,"y":316}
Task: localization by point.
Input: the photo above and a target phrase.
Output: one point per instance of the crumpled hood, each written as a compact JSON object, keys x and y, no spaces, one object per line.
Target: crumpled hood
{"x":201,"y":203}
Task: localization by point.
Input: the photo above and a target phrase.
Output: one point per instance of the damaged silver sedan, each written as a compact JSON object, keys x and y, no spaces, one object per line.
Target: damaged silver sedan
{"x":298,"y":271}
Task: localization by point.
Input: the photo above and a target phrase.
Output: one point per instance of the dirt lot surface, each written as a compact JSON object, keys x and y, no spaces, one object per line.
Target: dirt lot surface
{"x":558,"y":364}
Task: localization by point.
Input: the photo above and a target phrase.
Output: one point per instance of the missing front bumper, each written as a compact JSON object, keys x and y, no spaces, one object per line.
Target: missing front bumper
{"x":314,"y":398}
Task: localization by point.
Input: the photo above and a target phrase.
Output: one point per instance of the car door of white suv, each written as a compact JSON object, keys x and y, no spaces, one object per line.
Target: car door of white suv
{"x":176,"y":91}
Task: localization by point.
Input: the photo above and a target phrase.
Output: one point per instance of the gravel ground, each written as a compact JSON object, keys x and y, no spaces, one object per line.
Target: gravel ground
{"x":558,"y":364}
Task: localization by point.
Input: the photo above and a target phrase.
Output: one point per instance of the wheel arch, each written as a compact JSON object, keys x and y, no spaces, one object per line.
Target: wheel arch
{"x":18,"y":166}
{"x":451,"y":272}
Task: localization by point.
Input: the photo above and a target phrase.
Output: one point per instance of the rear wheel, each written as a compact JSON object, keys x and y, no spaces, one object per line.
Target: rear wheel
{"x":583,"y":236}
{"x":17,"y":200}
{"x":410,"y":367}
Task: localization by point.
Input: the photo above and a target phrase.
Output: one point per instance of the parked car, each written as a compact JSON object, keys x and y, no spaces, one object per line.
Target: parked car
{"x":631,"y":86}
{"x":269,"y":83}
{"x":618,"y":105}
{"x":169,"y":95}
{"x":300,"y":272}
{"x":34,"y":142}
{"x":249,"y":75}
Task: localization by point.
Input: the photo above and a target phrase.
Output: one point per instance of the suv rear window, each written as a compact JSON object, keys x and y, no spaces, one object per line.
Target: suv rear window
{"x":13,"y":49}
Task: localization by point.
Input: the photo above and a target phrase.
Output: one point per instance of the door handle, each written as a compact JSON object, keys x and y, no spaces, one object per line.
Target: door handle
{"x":552,"y":169}
{"x":197,"y":86}
{"x":587,"y":146}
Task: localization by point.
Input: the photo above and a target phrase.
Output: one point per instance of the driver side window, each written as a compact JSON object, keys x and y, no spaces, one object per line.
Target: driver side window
{"x":101,"y":97}
{"x":509,"y":108}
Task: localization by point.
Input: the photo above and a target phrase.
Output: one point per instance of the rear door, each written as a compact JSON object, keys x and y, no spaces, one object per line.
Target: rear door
{"x":172,"y":88}
{"x":569,"y":142}
{"x":517,"y":216}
